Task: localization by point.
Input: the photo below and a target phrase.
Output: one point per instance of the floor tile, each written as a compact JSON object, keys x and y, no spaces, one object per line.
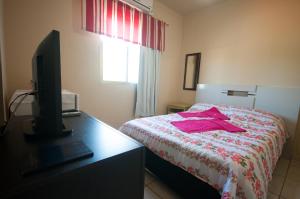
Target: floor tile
{"x":276,"y":184}
{"x":148,"y":194}
{"x":281,"y":167}
{"x":149,"y":178}
{"x":291,"y":190}
{"x":294,"y":174}
{"x":272,"y":196}
{"x":162,"y":190}
{"x":295,"y":163}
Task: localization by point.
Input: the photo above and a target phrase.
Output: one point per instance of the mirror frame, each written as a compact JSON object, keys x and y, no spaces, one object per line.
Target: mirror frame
{"x":197,"y":71}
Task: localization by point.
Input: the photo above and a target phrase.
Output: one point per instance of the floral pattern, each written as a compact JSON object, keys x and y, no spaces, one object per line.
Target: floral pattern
{"x":238,"y":165}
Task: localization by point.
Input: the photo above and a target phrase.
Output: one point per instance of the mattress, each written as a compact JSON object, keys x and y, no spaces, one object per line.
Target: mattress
{"x":238,"y":165}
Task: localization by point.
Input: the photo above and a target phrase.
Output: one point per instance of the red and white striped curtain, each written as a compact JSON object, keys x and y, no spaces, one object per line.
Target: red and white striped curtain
{"x":117,"y":19}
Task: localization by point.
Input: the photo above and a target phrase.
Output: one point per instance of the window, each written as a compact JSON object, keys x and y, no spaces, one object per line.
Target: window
{"x":120,"y":60}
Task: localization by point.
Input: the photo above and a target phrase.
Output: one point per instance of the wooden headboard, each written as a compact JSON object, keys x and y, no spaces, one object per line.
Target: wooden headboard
{"x":281,"y":101}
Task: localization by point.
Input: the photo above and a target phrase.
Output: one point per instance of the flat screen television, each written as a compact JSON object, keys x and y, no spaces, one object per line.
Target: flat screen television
{"x":47,"y":112}
{"x":46,"y":79}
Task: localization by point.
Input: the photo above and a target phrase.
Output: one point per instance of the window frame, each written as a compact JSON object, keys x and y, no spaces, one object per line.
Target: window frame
{"x":101,"y":64}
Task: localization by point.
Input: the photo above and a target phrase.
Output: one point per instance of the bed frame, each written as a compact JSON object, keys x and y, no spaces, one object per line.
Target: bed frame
{"x":183,"y":183}
{"x":284,"y":102}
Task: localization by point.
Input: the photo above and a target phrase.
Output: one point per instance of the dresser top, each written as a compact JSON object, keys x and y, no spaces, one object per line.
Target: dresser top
{"x":105,"y":142}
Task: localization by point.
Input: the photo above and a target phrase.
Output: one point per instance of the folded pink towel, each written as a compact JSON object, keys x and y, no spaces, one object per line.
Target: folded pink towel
{"x":211,"y":113}
{"x":198,"y":126}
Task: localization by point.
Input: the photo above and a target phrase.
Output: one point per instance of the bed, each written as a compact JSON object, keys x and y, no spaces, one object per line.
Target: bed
{"x":235,"y":165}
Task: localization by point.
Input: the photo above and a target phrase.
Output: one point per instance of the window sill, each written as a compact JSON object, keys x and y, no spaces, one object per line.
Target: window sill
{"x":117,"y":83}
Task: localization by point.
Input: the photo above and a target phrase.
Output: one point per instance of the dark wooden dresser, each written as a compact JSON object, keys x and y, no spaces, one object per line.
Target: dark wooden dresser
{"x":116,"y":169}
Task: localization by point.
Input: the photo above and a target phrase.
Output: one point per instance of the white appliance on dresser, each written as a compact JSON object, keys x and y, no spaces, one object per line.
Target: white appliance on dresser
{"x":70,"y":101}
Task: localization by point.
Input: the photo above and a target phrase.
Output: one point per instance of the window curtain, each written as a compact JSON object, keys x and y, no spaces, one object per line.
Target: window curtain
{"x":114,"y":18}
{"x":147,"y":87}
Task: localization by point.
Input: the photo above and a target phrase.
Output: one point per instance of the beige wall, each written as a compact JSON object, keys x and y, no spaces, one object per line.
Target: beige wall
{"x":28,"y":22}
{"x":245,"y":42}
{"x":2,"y":68}
{"x":297,"y":140}
{"x":170,"y":70}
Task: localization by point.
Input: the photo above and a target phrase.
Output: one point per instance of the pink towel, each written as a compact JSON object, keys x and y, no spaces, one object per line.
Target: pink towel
{"x":192,"y":126}
{"x":211,"y":113}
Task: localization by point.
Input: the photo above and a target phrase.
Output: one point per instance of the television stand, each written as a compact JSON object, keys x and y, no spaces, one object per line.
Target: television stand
{"x":30,"y":132}
{"x":60,"y":155}
{"x":116,"y":169}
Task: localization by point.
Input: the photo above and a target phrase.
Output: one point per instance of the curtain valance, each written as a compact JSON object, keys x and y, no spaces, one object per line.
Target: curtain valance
{"x":117,"y":19}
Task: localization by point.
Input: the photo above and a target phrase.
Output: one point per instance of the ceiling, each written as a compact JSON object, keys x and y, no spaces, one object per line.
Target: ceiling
{"x":186,"y":6}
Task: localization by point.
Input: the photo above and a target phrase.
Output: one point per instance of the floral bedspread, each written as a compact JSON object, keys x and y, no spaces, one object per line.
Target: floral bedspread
{"x":238,"y":165}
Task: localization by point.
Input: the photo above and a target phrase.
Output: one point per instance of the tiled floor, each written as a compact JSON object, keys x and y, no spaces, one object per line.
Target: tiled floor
{"x":285,"y":183}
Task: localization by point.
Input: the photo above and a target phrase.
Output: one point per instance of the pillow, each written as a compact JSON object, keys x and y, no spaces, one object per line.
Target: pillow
{"x":210,"y":113}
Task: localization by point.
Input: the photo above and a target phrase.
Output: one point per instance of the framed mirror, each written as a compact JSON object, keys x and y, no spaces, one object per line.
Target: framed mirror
{"x":191,"y":71}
